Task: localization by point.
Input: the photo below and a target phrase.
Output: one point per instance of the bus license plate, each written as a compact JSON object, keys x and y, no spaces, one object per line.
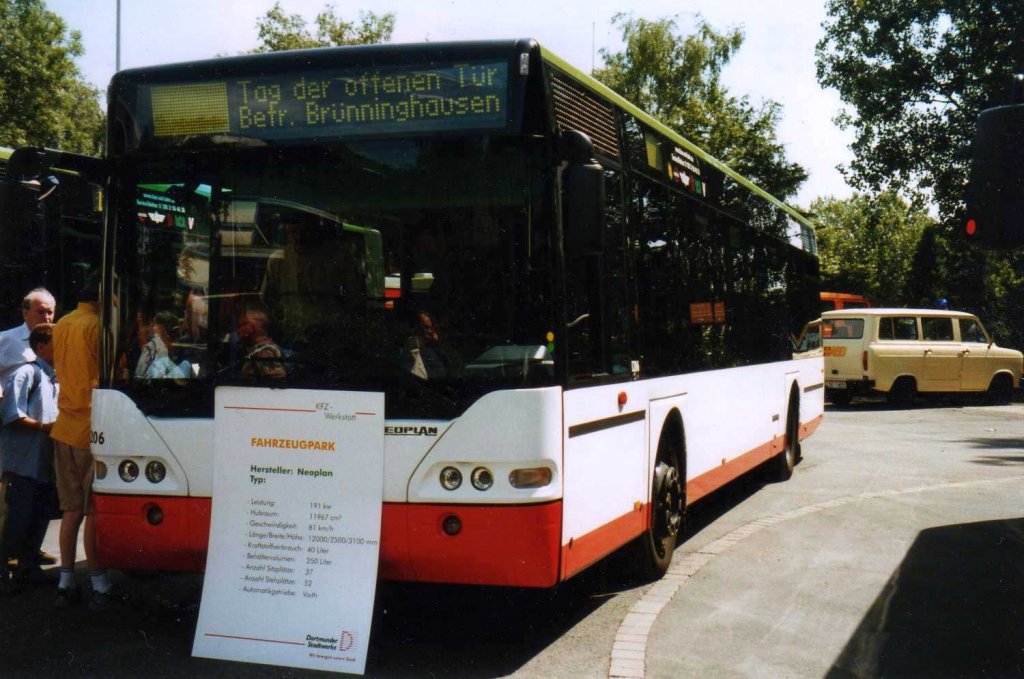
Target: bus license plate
{"x":835,"y":384}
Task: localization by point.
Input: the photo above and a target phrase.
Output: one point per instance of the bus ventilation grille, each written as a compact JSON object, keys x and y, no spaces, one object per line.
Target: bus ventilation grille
{"x":578,"y":109}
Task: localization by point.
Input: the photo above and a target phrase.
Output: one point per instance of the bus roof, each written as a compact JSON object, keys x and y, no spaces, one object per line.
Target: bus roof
{"x":653,"y":122}
{"x":311,"y":59}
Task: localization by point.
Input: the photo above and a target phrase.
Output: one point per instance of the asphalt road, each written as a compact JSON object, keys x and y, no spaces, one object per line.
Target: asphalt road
{"x":895,"y":550}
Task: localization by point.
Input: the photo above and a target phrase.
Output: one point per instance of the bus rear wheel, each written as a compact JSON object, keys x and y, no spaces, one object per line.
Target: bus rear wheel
{"x":668,"y":502}
{"x":785,"y":462}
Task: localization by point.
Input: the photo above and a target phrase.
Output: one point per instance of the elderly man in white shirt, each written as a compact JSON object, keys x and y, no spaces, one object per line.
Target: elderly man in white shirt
{"x":37,"y":307}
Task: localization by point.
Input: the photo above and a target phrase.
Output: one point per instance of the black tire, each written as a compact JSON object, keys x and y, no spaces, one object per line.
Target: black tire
{"x":901,"y":394}
{"x":838,"y":398}
{"x":668,"y":513}
{"x":783,"y":464}
{"x":1000,"y":391}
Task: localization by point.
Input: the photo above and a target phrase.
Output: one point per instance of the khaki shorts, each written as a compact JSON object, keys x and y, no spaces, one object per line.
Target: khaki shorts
{"x":74,"y":477}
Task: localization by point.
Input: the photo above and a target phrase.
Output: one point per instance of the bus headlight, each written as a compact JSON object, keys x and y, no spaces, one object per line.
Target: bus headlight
{"x":533,"y":477}
{"x":451,"y":478}
{"x":482,"y":478}
{"x":101,"y":470}
{"x":156,"y":471}
{"x":128,"y":471}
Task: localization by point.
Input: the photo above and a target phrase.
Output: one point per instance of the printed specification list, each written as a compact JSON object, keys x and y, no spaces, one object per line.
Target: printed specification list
{"x":284,"y":557}
{"x":295,"y":532}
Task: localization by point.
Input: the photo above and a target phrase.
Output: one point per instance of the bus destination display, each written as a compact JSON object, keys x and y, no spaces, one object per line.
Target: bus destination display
{"x":351,"y":102}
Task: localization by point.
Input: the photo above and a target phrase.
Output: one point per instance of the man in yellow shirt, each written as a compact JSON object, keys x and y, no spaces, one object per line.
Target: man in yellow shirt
{"x":76,"y":349}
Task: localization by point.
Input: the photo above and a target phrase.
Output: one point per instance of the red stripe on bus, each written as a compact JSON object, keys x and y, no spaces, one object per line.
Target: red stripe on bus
{"x":711,"y":481}
{"x":512,"y":545}
{"x":809,"y":428}
{"x":589,"y":548}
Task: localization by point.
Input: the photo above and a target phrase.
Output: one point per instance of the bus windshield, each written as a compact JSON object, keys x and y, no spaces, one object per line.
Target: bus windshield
{"x":408,"y":266}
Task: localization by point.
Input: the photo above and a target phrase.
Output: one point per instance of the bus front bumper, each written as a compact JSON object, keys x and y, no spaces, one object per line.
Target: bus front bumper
{"x":508,"y":545}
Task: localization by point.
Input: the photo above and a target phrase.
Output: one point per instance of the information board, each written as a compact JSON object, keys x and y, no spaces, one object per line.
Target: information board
{"x":342,"y":102}
{"x":295,"y":534}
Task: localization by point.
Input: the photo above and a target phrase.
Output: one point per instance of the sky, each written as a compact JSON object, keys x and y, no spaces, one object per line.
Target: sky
{"x":775,"y":62}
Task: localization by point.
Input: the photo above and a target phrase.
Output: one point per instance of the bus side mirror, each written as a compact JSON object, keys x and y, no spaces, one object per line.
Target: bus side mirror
{"x":583,"y":200}
{"x":995,"y":196}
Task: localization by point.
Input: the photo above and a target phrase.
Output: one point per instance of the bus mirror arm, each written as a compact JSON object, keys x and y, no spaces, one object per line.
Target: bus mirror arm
{"x":583,"y":194}
{"x":44,"y":187}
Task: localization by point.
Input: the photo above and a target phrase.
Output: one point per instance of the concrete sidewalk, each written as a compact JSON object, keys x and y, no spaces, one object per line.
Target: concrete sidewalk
{"x":920,"y":573}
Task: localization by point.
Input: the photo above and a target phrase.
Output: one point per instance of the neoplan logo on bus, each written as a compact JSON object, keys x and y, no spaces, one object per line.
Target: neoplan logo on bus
{"x":410,"y":430}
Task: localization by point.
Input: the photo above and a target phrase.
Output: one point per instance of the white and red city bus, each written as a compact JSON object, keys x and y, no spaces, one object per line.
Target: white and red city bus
{"x":580,"y":321}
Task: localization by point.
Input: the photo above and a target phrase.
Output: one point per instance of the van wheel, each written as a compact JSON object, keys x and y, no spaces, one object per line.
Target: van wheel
{"x":668,"y":500}
{"x":1000,"y":391}
{"x":839,"y":398}
{"x":901,"y":394}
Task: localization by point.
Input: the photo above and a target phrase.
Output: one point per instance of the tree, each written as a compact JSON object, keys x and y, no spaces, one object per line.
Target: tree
{"x":44,"y":99}
{"x":677,"y":79}
{"x":279,"y":31}
{"x":916,"y":74}
{"x":866,"y":245}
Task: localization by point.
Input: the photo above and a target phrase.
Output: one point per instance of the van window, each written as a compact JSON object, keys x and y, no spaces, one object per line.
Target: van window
{"x":971,"y":331}
{"x":810,"y":338}
{"x":898,"y":328}
{"x":939,"y":329}
{"x":842,"y":328}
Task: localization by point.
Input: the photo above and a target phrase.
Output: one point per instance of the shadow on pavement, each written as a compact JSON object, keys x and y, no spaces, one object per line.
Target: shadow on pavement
{"x":952,"y":609}
{"x":418,"y":630}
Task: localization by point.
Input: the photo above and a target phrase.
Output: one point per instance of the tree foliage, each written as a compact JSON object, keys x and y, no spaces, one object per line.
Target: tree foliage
{"x":44,"y":99}
{"x":916,"y":73}
{"x":677,"y":79}
{"x":280,"y":31}
{"x":867,"y":245}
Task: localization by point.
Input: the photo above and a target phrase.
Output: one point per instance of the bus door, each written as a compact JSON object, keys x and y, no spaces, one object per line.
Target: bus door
{"x":605,"y":475}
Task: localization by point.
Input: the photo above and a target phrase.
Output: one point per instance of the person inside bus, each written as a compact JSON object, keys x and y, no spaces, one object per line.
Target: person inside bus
{"x":156,"y":360}
{"x":313,"y":281}
{"x":252,"y":352}
{"x":423,"y":354}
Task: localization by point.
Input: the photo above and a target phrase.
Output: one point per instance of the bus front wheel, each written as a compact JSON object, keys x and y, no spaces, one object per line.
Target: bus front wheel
{"x":668,"y":501}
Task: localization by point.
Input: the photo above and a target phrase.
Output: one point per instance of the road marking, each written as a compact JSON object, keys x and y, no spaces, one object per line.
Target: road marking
{"x":629,"y":650}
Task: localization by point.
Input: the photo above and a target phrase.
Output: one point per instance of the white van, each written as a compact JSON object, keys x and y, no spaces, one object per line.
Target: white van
{"x":900,"y":352}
